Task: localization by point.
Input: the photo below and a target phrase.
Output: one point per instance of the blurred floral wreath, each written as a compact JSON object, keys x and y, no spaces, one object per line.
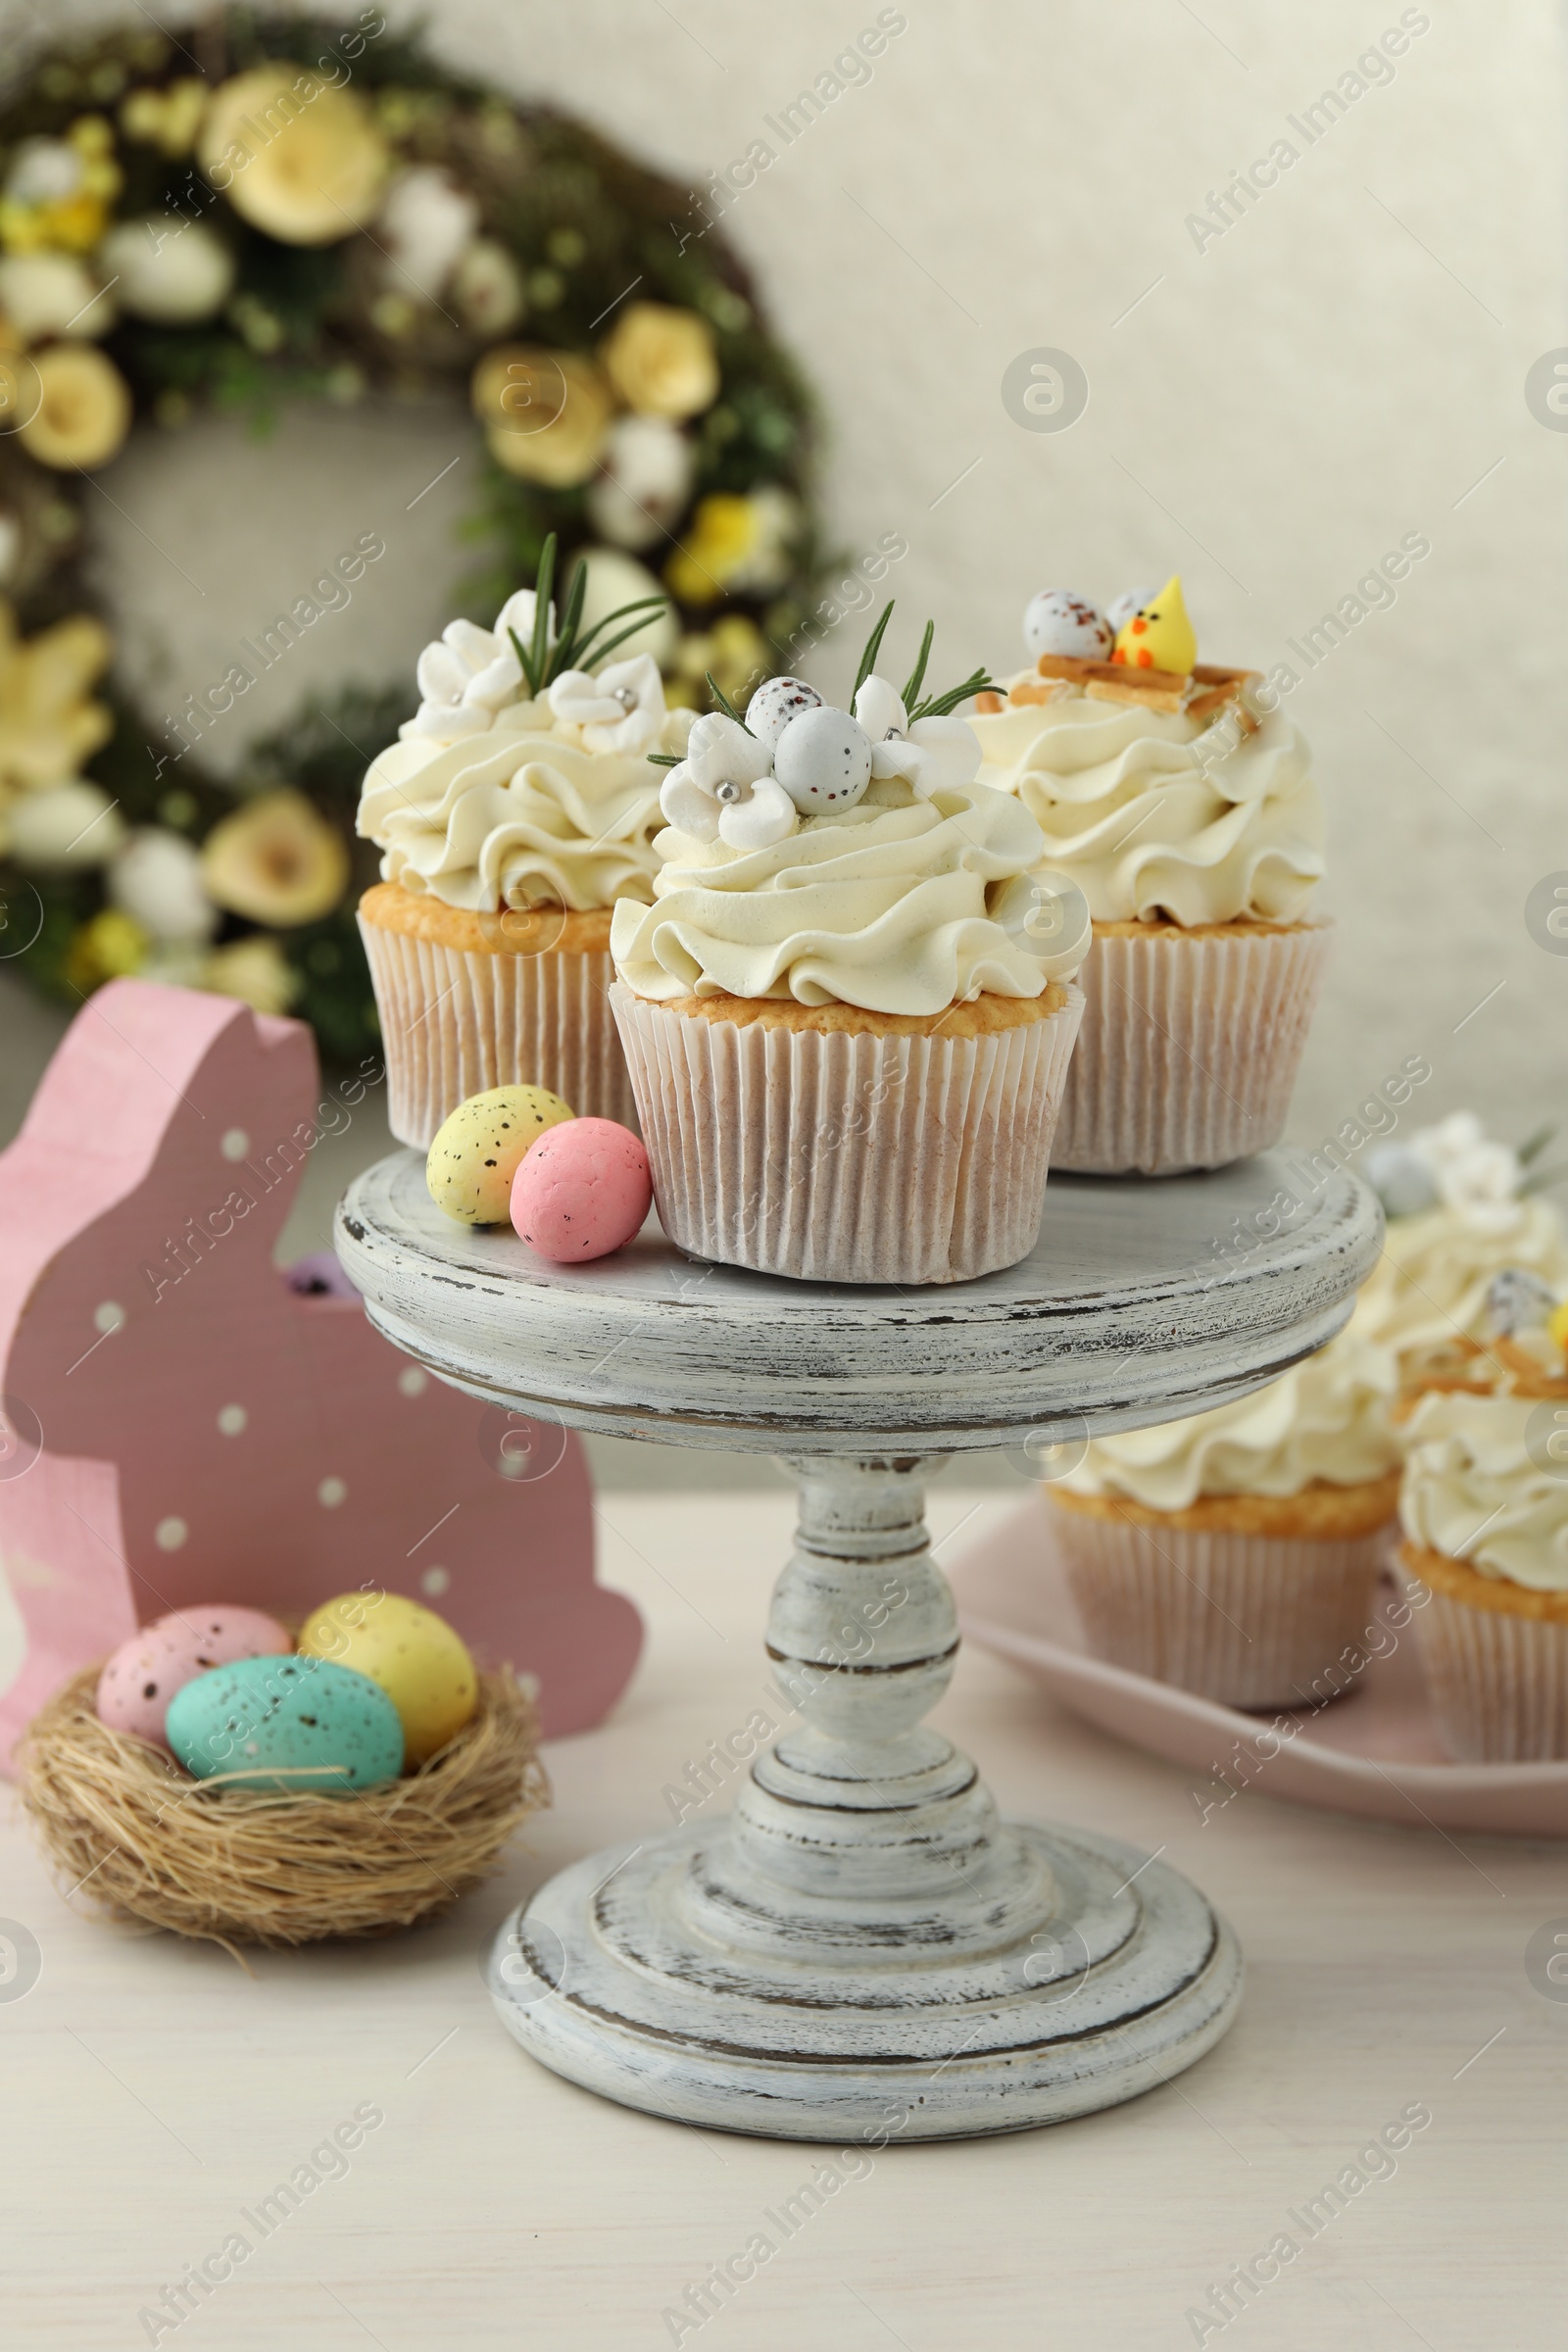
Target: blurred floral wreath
{"x":304,"y":209}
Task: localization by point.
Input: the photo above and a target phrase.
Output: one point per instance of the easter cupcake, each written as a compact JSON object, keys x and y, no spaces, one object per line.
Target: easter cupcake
{"x":848,"y":1010}
{"x":1235,"y":1552}
{"x":515,"y":807}
{"x":1185,"y":814}
{"x":1474,"y":1258}
{"x":1485,"y":1510}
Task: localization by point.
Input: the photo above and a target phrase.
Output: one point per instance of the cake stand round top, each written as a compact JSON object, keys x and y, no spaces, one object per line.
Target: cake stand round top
{"x":1141,"y":1302}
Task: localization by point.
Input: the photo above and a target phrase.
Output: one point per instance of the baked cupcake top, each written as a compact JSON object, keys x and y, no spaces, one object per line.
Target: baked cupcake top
{"x":522,"y":779}
{"x":1463,"y":1231}
{"x":1165,"y":794}
{"x":827,"y":856}
{"x":1480,"y":1487}
{"x":1325,"y":1419}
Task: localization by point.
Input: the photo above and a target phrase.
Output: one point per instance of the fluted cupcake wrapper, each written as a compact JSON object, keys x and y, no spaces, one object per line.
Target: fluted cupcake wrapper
{"x":456,"y":1021}
{"x":854,"y":1156}
{"x":1498,"y":1684}
{"x":1250,"y":1620}
{"x":1188,"y":1050}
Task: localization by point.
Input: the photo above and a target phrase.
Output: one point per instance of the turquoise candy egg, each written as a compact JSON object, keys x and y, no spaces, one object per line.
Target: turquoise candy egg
{"x":301,"y":1726}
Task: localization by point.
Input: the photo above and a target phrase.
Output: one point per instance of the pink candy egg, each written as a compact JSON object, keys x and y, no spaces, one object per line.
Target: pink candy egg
{"x":143,"y":1675}
{"x":581,"y":1191}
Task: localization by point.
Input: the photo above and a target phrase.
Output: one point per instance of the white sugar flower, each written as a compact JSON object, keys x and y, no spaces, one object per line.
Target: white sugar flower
{"x":1463,"y":1168}
{"x":621,"y":709}
{"x":931,"y":754}
{"x":470,"y":674}
{"x":724,"y":790}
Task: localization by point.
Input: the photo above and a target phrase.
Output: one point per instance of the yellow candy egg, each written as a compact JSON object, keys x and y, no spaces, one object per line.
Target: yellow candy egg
{"x":420,"y":1662}
{"x":1557,"y":1327}
{"x":476,"y":1153}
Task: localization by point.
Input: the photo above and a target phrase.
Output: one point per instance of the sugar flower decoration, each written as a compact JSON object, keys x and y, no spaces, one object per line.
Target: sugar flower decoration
{"x":470,"y":674}
{"x":931,"y":754}
{"x":1456,"y":1165}
{"x":724,"y":789}
{"x":621,"y":709}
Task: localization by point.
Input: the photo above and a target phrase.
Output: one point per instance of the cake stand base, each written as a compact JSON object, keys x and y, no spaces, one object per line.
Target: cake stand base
{"x":863,"y":1950}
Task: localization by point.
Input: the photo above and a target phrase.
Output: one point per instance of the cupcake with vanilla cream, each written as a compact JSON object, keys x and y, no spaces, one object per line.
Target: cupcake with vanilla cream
{"x":1235,"y":1552}
{"x":516,"y":806}
{"x":1189,"y":821}
{"x":848,"y":1010}
{"x":1473,"y":1257}
{"x":1485,"y":1511}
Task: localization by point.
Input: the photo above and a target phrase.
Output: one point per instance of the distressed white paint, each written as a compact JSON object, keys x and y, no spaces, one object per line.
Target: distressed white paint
{"x":863,"y":1946}
{"x":1131,"y":1308}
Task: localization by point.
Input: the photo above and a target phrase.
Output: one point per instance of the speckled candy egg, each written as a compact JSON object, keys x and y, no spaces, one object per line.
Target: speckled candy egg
{"x":1120,"y":610}
{"x":823,"y":760}
{"x":411,"y":1652}
{"x":775,"y":703}
{"x":583,"y":1191}
{"x":1056,"y":622}
{"x":144,"y":1674}
{"x":298,"y":1725}
{"x":476,"y":1151}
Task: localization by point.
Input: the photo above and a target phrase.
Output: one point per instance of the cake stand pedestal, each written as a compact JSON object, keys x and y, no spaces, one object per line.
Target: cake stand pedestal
{"x":863,"y":1948}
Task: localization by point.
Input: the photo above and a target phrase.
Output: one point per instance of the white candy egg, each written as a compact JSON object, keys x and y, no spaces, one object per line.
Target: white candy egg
{"x":775,"y":703}
{"x":823,"y":760}
{"x":1131,"y":600}
{"x":1058,"y":621}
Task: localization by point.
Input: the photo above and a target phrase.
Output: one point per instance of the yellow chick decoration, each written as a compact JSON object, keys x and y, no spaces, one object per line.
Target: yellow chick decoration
{"x":1160,"y":635}
{"x":420,"y":1663}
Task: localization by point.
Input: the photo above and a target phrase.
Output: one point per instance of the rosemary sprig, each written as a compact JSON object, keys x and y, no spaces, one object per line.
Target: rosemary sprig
{"x":942,"y":705}
{"x":544,"y":659}
{"x":873,"y":646}
{"x":723,"y":701}
{"x":935,"y":706}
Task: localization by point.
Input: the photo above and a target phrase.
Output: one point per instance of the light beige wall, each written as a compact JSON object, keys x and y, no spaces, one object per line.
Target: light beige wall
{"x":1343,"y":367}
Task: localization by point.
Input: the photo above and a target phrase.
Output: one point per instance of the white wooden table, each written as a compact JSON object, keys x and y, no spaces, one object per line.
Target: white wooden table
{"x":156,"y":2094}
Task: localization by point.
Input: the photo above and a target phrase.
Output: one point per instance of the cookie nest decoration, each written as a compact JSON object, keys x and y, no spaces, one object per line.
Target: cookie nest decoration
{"x":118,"y":1817}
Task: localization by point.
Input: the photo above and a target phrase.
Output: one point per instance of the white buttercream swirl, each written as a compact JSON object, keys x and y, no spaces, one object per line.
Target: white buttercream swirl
{"x":901,"y":904}
{"x":523,"y":815}
{"x":1326,"y":1418}
{"x":1154,"y":815}
{"x":1429,"y":1289}
{"x":1472,"y":1492}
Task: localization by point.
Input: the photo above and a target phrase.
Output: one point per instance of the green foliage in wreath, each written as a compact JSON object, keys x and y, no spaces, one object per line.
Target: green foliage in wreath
{"x":265,"y":210}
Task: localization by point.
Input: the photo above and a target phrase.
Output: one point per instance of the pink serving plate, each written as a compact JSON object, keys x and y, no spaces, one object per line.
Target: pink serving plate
{"x":1375,"y":1751}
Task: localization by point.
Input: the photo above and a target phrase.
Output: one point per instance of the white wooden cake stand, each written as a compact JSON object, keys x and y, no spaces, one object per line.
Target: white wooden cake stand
{"x":863,"y":1948}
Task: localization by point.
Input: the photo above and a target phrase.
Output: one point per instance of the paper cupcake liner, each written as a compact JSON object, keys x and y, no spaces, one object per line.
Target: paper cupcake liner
{"x":1253,"y":1621}
{"x":1189,"y":1049}
{"x":1498,"y":1684}
{"x":853,"y":1157}
{"x":455,"y":1022}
